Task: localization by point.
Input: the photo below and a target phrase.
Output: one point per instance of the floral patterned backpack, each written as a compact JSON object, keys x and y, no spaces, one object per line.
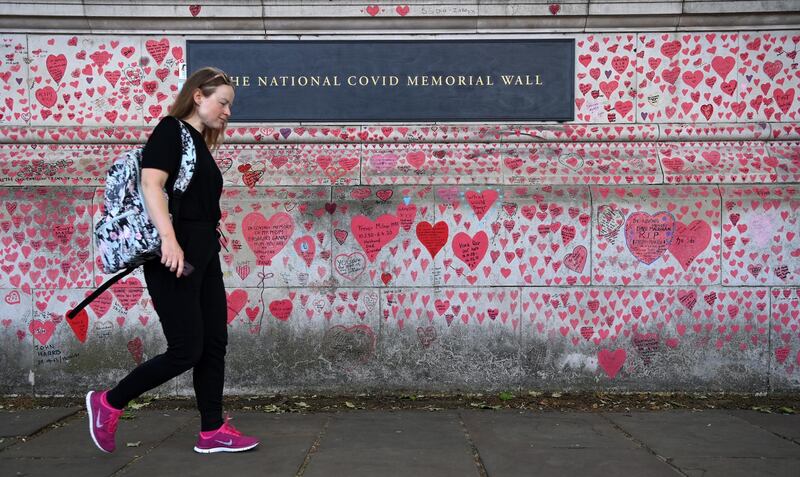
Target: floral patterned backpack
{"x":125,"y":237}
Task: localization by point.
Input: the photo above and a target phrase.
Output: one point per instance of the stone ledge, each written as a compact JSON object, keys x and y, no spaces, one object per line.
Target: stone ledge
{"x":267,"y":17}
{"x":299,"y":133}
{"x":553,"y":163}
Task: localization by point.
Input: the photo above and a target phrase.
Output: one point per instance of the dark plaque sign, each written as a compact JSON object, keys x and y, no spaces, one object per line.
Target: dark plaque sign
{"x":395,"y":80}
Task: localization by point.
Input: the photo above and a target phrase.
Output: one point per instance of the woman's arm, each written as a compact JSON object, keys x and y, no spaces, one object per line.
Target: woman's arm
{"x":153,"y":181}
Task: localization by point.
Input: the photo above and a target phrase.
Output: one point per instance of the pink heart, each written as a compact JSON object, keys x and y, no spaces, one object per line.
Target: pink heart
{"x":576,"y":260}
{"x":481,"y":203}
{"x":416,"y":159}
{"x":136,"y":349}
{"x":305,"y":248}
{"x":648,"y":236}
{"x":470,"y":250}
{"x":372,"y":236}
{"x":128,"y":292}
{"x":611,"y":361}
{"x":236,"y":302}
{"x":267,"y":237}
{"x":42,"y":330}
{"x":281,"y":309}
{"x":12,"y":298}
{"x":689,"y":241}
{"x":101,"y":304}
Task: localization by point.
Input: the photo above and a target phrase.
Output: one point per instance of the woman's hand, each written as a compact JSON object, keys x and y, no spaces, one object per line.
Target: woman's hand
{"x":172,"y":255}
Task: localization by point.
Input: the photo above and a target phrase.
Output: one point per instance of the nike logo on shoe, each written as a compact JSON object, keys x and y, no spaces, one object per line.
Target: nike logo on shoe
{"x":97,"y":422}
{"x":226,"y":443}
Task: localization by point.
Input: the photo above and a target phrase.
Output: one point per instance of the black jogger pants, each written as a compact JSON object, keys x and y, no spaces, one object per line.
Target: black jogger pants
{"x":193,"y":315}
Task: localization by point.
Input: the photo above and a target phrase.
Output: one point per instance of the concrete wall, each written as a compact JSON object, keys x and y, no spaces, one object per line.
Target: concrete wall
{"x":431,"y":256}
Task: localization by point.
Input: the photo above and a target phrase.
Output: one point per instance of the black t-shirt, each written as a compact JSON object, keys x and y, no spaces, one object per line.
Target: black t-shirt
{"x":163,"y":151}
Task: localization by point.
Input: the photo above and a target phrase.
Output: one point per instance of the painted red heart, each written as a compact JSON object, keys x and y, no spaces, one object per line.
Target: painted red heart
{"x":784,"y":99}
{"x":689,"y":241}
{"x":687,"y":298}
{"x":252,"y":313}
{"x":305,"y":248}
{"x":470,"y":250}
{"x":340,"y":235}
{"x":128,"y":292}
{"x":42,"y":331}
{"x":46,"y":96}
{"x":433,"y":237}
{"x":416,"y":159}
{"x":281,"y":309}
{"x":158,"y":49}
{"x":723,"y":65}
{"x":80,"y":325}
{"x":236,"y":301}
{"x":576,"y":260}
{"x":713,"y":157}
{"x":101,"y":304}
{"x":384,"y":194}
{"x":56,"y":65}
{"x":406,"y":214}
{"x":267,"y":238}
{"x":136,"y":349}
{"x":372,"y":236}
{"x":611,"y":361}
{"x":13,"y":298}
{"x":648,"y":236}
{"x":481,"y":203}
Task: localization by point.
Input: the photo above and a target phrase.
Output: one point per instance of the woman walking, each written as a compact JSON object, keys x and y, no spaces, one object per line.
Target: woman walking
{"x":192,"y":307}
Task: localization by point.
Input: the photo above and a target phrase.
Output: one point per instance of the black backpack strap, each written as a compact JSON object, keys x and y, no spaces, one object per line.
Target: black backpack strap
{"x":71,"y":313}
{"x":174,"y":205}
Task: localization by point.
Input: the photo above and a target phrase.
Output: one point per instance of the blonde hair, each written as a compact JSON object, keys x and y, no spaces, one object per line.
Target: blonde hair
{"x":206,"y":80}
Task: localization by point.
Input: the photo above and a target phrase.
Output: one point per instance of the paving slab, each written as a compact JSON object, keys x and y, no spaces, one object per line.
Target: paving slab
{"x":526,"y":443}
{"x":30,"y":467}
{"x":285,"y":441}
{"x":393,"y":444}
{"x":786,"y":426}
{"x":7,"y":442}
{"x":70,"y":447}
{"x":712,"y":443}
{"x":418,"y":443}
{"x":733,"y":467}
{"x":26,"y":422}
{"x":703,"y":434}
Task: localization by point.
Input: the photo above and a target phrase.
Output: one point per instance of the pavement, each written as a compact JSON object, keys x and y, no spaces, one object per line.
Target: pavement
{"x":55,"y":442}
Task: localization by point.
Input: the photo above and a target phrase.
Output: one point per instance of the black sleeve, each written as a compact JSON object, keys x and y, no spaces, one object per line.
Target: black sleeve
{"x":163,"y":148}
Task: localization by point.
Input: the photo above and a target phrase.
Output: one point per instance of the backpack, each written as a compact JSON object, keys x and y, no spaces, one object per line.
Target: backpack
{"x":125,"y":237}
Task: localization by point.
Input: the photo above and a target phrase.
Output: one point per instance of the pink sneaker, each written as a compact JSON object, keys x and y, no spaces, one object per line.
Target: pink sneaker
{"x":103,"y":421}
{"x":225,"y":439}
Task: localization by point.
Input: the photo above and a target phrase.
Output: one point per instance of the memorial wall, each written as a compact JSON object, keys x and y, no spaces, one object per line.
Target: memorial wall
{"x":646,"y":238}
